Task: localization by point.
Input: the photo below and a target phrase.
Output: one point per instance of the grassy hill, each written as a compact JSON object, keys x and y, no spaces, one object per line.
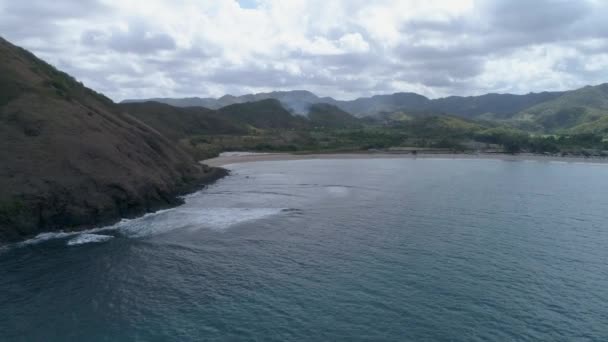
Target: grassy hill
{"x":176,"y":123}
{"x":204,"y":133}
{"x":574,"y":110}
{"x":598,"y":127}
{"x":269,"y":127}
{"x":263,"y":114}
{"x":496,"y":106}
{"x":491,"y":106}
{"x":71,"y":158}
{"x":329,"y":116}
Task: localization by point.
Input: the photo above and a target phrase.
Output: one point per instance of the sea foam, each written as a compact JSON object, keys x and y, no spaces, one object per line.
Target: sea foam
{"x":194,"y":218}
{"x":88,"y":238}
{"x":44,"y":237}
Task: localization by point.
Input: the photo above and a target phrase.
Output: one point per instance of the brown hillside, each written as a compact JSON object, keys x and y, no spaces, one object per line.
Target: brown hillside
{"x":71,"y":158}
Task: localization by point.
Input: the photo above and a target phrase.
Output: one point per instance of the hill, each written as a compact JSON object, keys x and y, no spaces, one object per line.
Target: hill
{"x":210,"y":103}
{"x":384,"y":103}
{"x":296,"y":101}
{"x":573,"y":110}
{"x":263,"y":114}
{"x":71,"y":158}
{"x":494,"y":106}
{"x":330,"y":116}
{"x":175,"y":122}
{"x":490,"y":106}
{"x":204,"y":133}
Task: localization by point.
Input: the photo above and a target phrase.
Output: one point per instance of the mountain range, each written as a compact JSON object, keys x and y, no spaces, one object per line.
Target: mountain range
{"x":300,"y":101}
{"x":577,"y":110}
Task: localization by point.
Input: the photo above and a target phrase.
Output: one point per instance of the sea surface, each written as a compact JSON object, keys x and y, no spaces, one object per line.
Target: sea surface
{"x":333,"y":250}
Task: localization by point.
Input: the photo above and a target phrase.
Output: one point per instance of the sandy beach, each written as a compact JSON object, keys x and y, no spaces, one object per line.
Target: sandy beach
{"x":247,"y":157}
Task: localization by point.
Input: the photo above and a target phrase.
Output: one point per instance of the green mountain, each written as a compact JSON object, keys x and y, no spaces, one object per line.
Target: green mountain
{"x":498,"y":106}
{"x":71,"y":158}
{"x":329,"y":116}
{"x":574,"y":110}
{"x":296,"y":101}
{"x":263,"y":114}
{"x":567,"y":111}
{"x":598,"y":127}
{"x":204,"y":133}
{"x":490,"y":106}
{"x":176,"y":123}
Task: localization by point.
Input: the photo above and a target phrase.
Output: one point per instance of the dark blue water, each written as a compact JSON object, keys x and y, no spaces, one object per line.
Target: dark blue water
{"x":352,"y":250}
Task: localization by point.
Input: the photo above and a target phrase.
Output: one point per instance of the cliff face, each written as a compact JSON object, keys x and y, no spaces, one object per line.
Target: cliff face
{"x":71,"y":158}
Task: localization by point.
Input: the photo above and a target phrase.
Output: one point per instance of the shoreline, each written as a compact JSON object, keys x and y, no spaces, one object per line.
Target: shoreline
{"x":175,"y":199}
{"x":222,"y":161}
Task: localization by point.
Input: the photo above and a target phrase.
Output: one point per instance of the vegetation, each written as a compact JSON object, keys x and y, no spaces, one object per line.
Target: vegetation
{"x":571,"y":122}
{"x":266,"y":126}
{"x":329,"y":116}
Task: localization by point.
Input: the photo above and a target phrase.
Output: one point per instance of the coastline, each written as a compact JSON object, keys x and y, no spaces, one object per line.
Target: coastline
{"x":217,"y":168}
{"x":210,"y":175}
{"x":222,"y":161}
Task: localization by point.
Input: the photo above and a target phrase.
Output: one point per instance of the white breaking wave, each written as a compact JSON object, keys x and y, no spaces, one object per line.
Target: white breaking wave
{"x":222,"y":218}
{"x":193,"y":218}
{"x":88,"y":238}
{"x":42,"y":237}
{"x":162,"y":221}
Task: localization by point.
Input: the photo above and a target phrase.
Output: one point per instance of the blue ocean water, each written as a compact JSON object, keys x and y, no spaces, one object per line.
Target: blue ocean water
{"x":328,"y":250}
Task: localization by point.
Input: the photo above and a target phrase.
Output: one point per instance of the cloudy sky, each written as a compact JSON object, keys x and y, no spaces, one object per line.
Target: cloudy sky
{"x":345,"y":49}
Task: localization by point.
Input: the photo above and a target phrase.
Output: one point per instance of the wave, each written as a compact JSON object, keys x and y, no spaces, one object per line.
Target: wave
{"x":82,"y":239}
{"x":160,"y":222}
{"x":181,"y":218}
{"x":42,"y":237}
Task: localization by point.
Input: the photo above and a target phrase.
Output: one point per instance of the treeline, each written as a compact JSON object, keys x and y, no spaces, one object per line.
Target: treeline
{"x":503,"y":139}
{"x":514,"y":141}
{"x":445,"y":132}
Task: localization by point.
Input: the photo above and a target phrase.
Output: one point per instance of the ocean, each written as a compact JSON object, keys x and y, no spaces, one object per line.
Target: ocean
{"x":333,"y":250}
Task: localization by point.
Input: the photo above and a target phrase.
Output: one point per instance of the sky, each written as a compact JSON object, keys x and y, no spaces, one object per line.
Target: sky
{"x":340,"y":48}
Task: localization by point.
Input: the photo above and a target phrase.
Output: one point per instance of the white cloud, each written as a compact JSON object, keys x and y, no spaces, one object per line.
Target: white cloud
{"x":353,"y":43}
{"x":341,"y":48}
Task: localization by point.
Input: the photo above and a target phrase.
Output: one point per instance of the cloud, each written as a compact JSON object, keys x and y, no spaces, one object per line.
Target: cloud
{"x":136,"y":38}
{"x":539,"y":15}
{"x":342,"y":48}
{"x":53,"y":10}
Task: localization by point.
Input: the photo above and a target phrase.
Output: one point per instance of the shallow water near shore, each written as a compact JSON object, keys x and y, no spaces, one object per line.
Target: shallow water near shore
{"x":354,"y":249}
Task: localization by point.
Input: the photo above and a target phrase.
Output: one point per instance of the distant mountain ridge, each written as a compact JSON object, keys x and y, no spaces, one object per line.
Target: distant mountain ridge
{"x":240,"y":118}
{"x":583,"y":110}
{"x":300,"y":101}
{"x":296,"y":101}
